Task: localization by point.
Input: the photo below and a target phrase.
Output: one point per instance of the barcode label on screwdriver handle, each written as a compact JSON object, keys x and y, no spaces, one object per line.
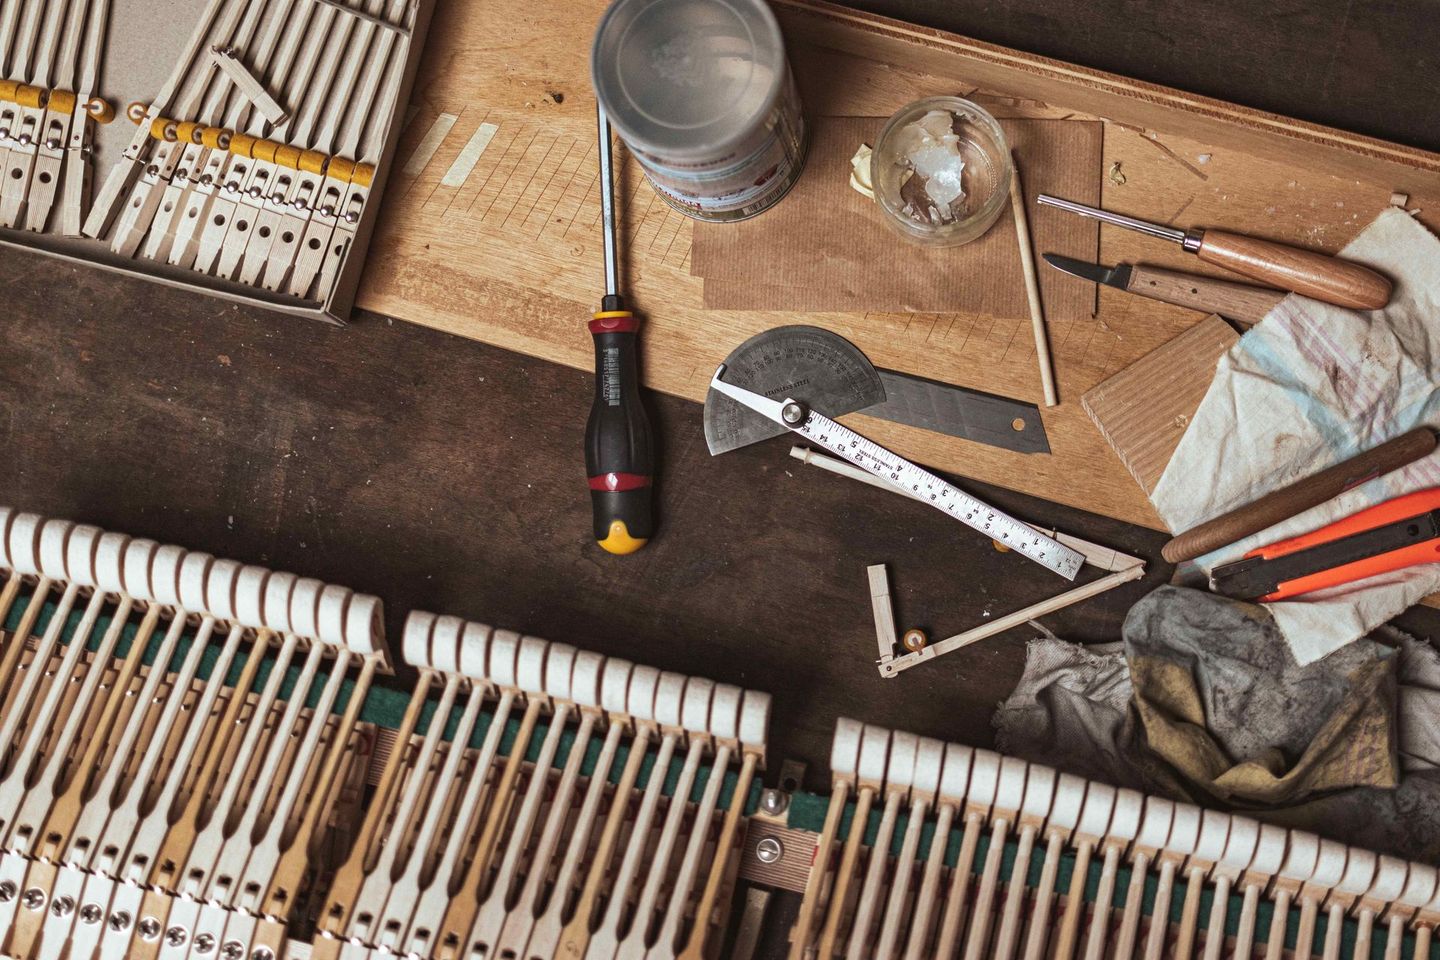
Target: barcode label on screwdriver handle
{"x":999,"y":526}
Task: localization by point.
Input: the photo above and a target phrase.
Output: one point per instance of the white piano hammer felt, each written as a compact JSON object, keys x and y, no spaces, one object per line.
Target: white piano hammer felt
{"x":248,"y":596}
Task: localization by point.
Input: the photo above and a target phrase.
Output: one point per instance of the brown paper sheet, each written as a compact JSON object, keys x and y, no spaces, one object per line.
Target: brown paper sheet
{"x":826,"y":247}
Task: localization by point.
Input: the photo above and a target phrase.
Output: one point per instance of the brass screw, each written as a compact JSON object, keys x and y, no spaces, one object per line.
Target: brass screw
{"x":914,"y":640}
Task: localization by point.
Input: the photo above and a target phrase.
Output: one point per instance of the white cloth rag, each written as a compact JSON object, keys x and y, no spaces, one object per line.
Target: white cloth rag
{"x":1307,"y":387}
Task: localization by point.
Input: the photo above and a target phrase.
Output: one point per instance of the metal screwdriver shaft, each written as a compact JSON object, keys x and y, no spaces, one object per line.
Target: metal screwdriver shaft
{"x":618,"y":453}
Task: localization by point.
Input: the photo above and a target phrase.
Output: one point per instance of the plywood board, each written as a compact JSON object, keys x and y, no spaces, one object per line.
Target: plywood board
{"x":492,"y":231}
{"x":1144,"y":409}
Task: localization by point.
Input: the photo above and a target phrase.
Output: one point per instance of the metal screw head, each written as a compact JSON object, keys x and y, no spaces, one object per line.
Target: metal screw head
{"x":300,"y":205}
{"x":769,"y":849}
{"x":206,"y":180}
{"x":256,"y":193}
{"x":24,"y":139}
{"x":204,"y":942}
{"x":328,"y":210}
{"x":352,"y":218}
{"x":52,"y":144}
{"x":120,"y":921}
{"x":33,"y":899}
{"x":794,"y":413}
{"x":262,"y":953}
{"x":774,"y":802}
{"x":149,"y":928}
{"x":8,"y":891}
{"x":175,"y":936}
{"x":91,"y":914}
{"x":233,"y":950}
{"x":4,"y":133}
{"x":153,"y":170}
{"x":63,"y":906}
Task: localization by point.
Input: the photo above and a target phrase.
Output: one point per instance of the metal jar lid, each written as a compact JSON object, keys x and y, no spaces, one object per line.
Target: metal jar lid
{"x":687,"y":79}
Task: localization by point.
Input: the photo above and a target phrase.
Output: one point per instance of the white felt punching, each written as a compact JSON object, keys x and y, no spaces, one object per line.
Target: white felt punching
{"x":1039,"y":792}
{"x":696,"y":707}
{"x":668,"y":698}
{"x":138,"y":567}
{"x":24,"y":543}
{"x":1302,"y":855}
{"x":1420,"y":884}
{"x":54,"y":535}
{"x":900,"y":767}
{"x":755,"y":719}
{"x":250,"y":596}
{"x":984,"y":780}
{"x":305,"y":608}
{"x":1240,"y":848}
{"x":277,"y":601}
{"x":330,"y":618}
{"x":364,"y":624}
{"x":955,"y":775}
{"x":1125,"y":821}
{"x":845,"y":748}
{"x":110,"y":562}
{"x":1359,"y":872}
{"x":615,"y":685}
{"x":585,"y":680}
{"x":1214,"y":834}
{"x":929,"y":762}
{"x":1390,"y":876}
{"x":415,"y":638}
{"x":1010,"y":790}
{"x":641,"y":702}
{"x":874,"y":755}
{"x":475,"y":651}
{"x":1329,"y":865}
{"x":194,"y":571}
{"x":559,"y":666}
{"x":530,"y":665}
{"x":1155,"y":825}
{"x":1269,"y":850}
{"x":442,"y":649}
{"x":504,"y":648}
{"x":80,"y":557}
{"x":727,"y":714}
{"x":7,"y":517}
{"x":1069,"y":799}
{"x":220,"y":587}
{"x":165,"y":575}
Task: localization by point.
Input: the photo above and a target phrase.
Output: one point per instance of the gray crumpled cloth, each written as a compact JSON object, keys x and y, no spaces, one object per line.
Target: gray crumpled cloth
{"x":1075,"y":709}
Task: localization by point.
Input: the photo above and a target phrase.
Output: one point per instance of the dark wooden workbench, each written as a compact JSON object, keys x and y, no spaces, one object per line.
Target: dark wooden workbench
{"x":446,"y":475}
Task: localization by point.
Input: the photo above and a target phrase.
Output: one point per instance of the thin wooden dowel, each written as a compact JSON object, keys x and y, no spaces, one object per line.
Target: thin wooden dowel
{"x":979,"y":937}
{"x":1129,"y":932}
{"x":1245,"y":934}
{"x":925,"y":902}
{"x":1160,"y":916}
{"x":955,"y":904}
{"x":1189,"y":916}
{"x":1279,"y":921}
{"x":847,"y":870}
{"x":871,"y":887}
{"x":819,"y":866}
{"x":1032,"y":286}
{"x":1334,"y":928}
{"x":1100,"y":919}
{"x":1215,"y":929}
{"x":1040,"y":911}
{"x":1395,"y":939}
{"x":1305,"y":932}
{"x":1009,"y":937}
{"x":1069,"y":935}
{"x":1423,"y":936}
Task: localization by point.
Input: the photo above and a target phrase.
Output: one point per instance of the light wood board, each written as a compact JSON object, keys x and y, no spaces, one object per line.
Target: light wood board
{"x":490,"y":228}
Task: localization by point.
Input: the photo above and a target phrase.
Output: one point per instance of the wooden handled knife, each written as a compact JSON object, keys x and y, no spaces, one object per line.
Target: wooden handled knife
{"x":1236,"y":301}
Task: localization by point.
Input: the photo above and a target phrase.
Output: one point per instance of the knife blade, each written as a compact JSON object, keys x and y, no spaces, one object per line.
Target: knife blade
{"x":1237,"y":301}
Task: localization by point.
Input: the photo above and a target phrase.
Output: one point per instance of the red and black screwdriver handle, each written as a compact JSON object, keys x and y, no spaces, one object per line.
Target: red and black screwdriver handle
{"x":619,"y":456}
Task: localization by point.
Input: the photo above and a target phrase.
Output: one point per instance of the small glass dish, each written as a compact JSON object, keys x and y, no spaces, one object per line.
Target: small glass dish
{"x":907,"y":197}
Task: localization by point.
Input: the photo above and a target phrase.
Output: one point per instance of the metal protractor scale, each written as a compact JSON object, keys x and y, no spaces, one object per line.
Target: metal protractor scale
{"x":833,"y":377}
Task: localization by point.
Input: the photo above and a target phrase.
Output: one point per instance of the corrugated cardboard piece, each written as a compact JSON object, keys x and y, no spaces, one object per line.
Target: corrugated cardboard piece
{"x":826,"y":247}
{"x":1143,"y":410}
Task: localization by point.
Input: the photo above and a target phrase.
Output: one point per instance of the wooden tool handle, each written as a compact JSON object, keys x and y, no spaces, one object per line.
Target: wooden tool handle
{"x":1311,"y":274}
{"x":1236,"y":301}
{"x":1299,"y":496}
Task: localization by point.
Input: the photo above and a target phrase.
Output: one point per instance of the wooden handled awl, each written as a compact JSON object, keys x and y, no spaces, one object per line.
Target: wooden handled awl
{"x":1299,"y":496}
{"x":1235,"y":301}
{"x":1316,"y":275}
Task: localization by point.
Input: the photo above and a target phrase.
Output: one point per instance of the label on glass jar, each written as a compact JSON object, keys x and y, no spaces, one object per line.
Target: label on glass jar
{"x":747,"y":178}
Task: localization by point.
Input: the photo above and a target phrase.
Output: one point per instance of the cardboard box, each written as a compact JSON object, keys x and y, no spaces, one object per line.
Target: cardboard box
{"x":144,"y":39}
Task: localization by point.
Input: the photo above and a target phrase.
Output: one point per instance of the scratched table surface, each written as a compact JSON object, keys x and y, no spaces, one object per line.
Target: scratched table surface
{"x":445,"y":474}
{"x":491,"y":230}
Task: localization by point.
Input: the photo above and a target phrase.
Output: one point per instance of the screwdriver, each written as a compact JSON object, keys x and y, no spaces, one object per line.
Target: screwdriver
{"x":619,"y":458}
{"x":1315,"y":275}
